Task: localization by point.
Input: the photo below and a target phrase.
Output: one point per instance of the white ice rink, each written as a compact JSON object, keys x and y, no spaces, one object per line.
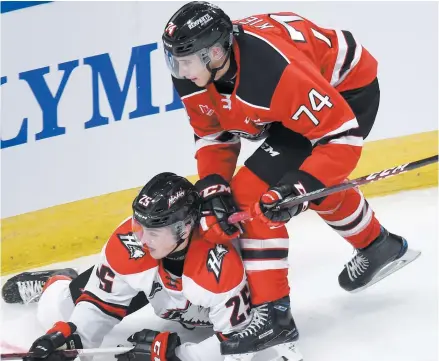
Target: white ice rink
{"x":395,"y":320}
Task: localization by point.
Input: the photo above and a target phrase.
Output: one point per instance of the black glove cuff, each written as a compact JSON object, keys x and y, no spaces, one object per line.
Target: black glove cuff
{"x":72,"y":327}
{"x":309,"y":182}
{"x":74,"y":342}
{"x":173,"y":343}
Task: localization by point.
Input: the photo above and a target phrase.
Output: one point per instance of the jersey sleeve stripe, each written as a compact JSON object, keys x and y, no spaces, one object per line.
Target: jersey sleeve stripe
{"x":349,"y":125}
{"x":348,"y":140}
{"x":349,"y":54}
{"x":213,"y":136}
{"x":203,"y":142}
{"x":351,"y":47}
{"x":110,"y":309}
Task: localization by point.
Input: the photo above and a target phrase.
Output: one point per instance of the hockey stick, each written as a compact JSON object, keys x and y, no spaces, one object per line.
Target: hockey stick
{"x":319,"y":193}
{"x":71,"y":353}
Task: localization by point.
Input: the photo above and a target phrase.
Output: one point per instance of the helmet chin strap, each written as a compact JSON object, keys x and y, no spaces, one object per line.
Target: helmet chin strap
{"x":213,"y":72}
{"x":181,"y":254}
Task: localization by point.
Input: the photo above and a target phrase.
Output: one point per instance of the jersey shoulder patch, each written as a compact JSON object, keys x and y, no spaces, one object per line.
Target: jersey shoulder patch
{"x":217,"y":268}
{"x":261,"y":68}
{"x":124,"y":254}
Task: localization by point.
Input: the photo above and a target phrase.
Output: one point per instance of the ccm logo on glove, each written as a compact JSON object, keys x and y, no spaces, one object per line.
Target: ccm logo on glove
{"x":156,"y":350}
{"x":301,"y":190}
{"x":217,"y":188}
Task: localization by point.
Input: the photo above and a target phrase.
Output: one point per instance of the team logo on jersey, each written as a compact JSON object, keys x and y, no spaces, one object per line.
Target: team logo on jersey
{"x":189,"y":315}
{"x":156,"y":287}
{"x":206,"y":110}
{"x":132,"y":245}
{"x":215,"y":260}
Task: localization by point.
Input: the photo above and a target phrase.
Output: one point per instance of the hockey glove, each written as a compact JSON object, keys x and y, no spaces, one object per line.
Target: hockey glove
{"x":60,"y":337}
{"x":293,"y":184}
{"x":217,"y":206}
{"x":152,"y":346}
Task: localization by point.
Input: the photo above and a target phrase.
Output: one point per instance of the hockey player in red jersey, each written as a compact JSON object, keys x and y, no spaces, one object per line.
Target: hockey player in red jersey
{"x":312,"y":94}
{"x":157,"y":256}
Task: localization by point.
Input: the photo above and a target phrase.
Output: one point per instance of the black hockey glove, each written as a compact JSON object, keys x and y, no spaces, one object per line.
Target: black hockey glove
{"x":60,"y":337}
{"x":217,"y":205}
{"x":152,"y":346}
{"x":293,"y":183}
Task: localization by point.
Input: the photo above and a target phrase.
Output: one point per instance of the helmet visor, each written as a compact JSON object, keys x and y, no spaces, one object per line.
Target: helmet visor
{"x":190,"y":66}
{"x":156,"y":238}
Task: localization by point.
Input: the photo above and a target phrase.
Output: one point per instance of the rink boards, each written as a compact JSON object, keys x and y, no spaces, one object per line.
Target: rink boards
{"x":81,"y":228}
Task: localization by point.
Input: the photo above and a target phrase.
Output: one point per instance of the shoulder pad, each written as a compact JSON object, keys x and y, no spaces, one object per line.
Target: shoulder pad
{"x":217,"y":268}
{"x":261,"y":67}
{"x":124,"y":254}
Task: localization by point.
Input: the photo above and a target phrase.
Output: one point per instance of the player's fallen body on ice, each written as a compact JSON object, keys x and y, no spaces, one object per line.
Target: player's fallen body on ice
{"x":157,"y":257}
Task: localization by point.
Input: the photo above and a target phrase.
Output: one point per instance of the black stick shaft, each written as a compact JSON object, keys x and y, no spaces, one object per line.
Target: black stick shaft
{"x":323,"y":192}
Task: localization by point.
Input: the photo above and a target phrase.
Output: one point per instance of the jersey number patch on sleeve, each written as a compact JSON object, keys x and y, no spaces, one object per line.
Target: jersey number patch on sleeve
{"x":314,"y":98}
{"x":244,"y":296}
{"x":106,"y":278}
{"x":296,"y":35}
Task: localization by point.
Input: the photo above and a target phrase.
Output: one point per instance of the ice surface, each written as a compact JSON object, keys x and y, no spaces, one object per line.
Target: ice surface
{"x":395,"y":320}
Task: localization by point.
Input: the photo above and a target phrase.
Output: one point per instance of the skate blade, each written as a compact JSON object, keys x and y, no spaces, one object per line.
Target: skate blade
{"x":33,"y":299}
{"x":240,"y":357}
{"x":409,"y":256}
{"x":285,"y":352}
{"x":289,"y":352}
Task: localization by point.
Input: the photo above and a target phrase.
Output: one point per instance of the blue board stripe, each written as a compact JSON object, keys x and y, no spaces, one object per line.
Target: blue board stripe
{"x":8,"y":6}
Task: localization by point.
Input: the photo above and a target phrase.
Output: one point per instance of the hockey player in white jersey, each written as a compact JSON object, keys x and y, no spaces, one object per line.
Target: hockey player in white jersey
{"x":155,"y":257}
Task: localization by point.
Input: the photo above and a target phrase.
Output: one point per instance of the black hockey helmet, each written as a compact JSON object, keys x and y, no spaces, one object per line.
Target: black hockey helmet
{"x":166,"y":200}
{"x":194,"y":29}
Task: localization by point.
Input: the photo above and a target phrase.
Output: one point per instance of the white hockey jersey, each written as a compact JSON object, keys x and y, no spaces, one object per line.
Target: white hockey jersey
{"x":212,"y":291}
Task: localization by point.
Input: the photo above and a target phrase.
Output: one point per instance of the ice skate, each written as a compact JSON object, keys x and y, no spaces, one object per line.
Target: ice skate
{"x":385,"y":255}
{"x":272,"y":325}
{"x":27,"y":287}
